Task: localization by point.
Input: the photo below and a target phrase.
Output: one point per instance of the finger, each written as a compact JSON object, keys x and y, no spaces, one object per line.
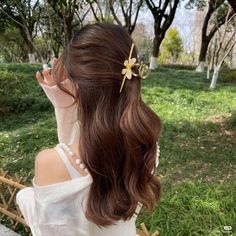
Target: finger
{"x":55,"y":64}
{"x":46,"y":74}
{"x":64,"y":75}
{"x":58,"y":70}
{"x":39,"y":78}
{"x":54,"y":61}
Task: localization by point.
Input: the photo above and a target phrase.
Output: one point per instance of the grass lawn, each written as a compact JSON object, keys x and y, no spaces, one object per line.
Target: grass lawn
{"x":198,"y":145}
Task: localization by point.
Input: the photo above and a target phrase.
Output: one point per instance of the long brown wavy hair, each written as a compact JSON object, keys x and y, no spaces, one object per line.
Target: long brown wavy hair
{"x":118,"y":131}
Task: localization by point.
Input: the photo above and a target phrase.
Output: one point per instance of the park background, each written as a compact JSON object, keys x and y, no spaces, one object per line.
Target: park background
{"x":190,"y":47}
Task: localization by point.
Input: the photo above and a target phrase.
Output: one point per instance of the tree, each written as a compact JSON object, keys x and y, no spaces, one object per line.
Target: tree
{"x":220,"y":9}
{"x":24,"y":16}
{"x":130,"y":11}
{"x":172,"y":44}
{"x":12,"y":46}
{"x":202,"y":3}
{"x":51,"y":37}
{"x":143,"y":42}
{"x":163,"y":14}
{"x":224,"y":49}
{"x":123,"y":12}
{"x":100,"y":10}
{"x":72,"y":13}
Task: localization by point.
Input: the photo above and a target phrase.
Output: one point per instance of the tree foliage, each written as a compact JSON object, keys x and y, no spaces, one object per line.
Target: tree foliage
{"x":172,"y":45}
{"x":47,"y":26}
{"x":12,"y":46}
{"x":71,"y":13}
{"x":23,"y":15}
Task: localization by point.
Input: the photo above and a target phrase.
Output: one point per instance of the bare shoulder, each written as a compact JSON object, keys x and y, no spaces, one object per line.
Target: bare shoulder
{"x":49,"y":168}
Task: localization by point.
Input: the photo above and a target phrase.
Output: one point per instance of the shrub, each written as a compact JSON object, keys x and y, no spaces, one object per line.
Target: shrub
{"x":179,"y":66}
{"x":19,"y":93}
{"x":229,"y":75}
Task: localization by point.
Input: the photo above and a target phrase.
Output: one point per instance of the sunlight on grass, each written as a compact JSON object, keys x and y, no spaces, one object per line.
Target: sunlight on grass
{"x":191,"y":209}
{"x":198,"y":145}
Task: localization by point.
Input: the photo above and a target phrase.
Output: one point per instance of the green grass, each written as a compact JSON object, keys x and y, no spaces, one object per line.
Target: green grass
{"x":198,"y":146}
{"x":193,"y":208}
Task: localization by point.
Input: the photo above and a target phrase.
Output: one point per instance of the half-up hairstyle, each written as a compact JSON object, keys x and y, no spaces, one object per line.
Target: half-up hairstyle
{"x":118,"y":131}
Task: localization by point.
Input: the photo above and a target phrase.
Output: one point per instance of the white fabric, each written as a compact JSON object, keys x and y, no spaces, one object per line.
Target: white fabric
{"x":65,"y":112}
{"x":58,"y":209}
{"x":71,"y":170}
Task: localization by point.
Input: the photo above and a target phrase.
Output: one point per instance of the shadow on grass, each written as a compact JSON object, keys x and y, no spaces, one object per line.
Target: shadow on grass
{"x":189,"y":151}
{"x":197,"y":151}
{"x":14,"y":121}
{"x":21,"y":139}
{"x":197,"y":162}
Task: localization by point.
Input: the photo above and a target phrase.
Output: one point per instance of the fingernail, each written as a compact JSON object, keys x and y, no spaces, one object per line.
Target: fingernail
{"x":45,"y":71}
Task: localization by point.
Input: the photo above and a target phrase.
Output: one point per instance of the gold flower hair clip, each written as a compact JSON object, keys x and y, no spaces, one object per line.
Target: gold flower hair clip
{"x":129,"y":64}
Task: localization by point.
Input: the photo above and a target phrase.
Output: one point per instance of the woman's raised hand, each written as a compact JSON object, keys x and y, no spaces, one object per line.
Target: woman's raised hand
{"x":51,"y":75}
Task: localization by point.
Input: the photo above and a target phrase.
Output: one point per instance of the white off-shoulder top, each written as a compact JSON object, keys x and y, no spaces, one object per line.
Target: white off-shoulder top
{"x":59,"y":209}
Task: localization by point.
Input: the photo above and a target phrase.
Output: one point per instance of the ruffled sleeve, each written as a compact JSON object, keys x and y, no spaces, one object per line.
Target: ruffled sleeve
{"x":65,"y":112}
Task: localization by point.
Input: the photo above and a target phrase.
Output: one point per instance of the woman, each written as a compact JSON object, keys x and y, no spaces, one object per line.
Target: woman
{"x":101,"y":172}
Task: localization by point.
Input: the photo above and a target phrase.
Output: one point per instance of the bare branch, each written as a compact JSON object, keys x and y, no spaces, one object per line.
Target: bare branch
{"x":113,"y":13}
{"x":122,"y":8}
{"x":81,"y":19}
{"x":151,"y":6}
{"x":100,"y":10}
{"x":12,"y":18}
{"x":227,"y":53}
{"x":228,"y":18}
{"x":137,"y":12}
{"x":93,"y":11}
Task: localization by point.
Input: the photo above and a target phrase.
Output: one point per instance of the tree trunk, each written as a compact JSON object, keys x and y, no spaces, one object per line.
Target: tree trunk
{"x":31,"y":58}
{"x":201,"y":66}
{"x":153,"y":63}
{"x":155,"y":52}
{"x":204,"y":47}
{"x":31,"y":54}
{"x":215,"y":77}
{"x":206,"y":38}
{"x":163,"y":17}
{"x":30,"y":46}
{"x":203,"y":53}
{"x":208,"y":72}
{"x":56,"y":51}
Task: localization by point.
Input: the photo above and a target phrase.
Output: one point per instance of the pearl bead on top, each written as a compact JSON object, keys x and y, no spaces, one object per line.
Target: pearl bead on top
{"x":72,"y":155}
